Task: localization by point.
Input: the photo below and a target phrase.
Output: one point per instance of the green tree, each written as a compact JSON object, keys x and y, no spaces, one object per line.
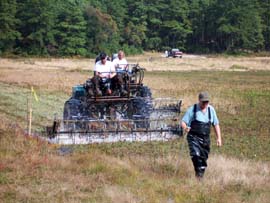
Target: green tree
{"x":70,"y":29}
{"x":176,"y":26}
{"x":200,"y":16}
{"x":265,"y":16}
{"x":8,"y":26}
{"x":136,"y":25}
{"x":225,"y":25}
{"x":238,"y":25}
{"x":118,"y":10}
{"x":101,"y":31}
{"x":155,"y":16}
{"x":86,"y":27}
{"x":36,"y":27}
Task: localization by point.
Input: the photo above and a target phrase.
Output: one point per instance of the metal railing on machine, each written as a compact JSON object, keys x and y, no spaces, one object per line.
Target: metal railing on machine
{"x":96,"y":131}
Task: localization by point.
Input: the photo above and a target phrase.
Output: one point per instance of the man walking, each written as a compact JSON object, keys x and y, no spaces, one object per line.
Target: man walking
{"x":197,"y":122}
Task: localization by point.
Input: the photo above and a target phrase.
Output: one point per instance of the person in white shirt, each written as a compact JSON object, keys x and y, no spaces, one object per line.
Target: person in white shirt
{"x":121,"y":66}
{"x":105,"y":69}
{"x":166,"y":54}
{"x":120,"y":62}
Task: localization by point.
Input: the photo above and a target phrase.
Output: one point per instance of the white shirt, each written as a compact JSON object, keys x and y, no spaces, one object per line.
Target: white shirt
{"x":104,"y":69}
{"x":120,"y":64}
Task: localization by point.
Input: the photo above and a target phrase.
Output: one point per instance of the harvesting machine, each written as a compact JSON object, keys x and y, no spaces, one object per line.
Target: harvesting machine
{"x":136,"y":116}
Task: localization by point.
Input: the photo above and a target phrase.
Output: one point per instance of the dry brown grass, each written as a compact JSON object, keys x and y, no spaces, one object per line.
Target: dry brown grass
{"x":53,"y":80}
{"x":62,"y":74}
{"x":231,"y":171}
{"x":120,"y":194}
{"x":155,"y":61}
{"x":33,"y":171}
{"x":150,"y":61}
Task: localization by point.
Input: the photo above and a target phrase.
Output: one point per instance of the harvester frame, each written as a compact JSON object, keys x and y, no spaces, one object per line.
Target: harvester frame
{"x":88,"y":115}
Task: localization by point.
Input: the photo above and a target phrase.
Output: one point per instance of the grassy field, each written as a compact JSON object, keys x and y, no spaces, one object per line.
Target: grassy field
{"x":34,"y":171}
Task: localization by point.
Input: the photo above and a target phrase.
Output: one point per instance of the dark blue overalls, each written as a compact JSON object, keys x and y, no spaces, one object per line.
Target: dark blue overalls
{"x":199,"y":142}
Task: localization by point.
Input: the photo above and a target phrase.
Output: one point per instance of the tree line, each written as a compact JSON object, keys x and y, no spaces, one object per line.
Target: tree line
{"x":86,"y":27}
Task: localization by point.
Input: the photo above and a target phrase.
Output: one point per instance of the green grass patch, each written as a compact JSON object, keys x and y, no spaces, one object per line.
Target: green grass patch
{"x":16,"y":102}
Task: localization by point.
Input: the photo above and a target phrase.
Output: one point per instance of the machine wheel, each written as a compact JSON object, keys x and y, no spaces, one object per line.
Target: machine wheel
{"x":141,"y":112}
{"x":145,"y":92}
{"x":72,"y":111}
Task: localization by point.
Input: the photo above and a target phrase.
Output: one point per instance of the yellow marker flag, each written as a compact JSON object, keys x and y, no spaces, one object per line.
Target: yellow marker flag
{"x":34,"y":93}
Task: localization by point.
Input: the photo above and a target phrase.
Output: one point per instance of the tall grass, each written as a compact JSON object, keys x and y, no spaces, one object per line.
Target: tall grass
{"x":32,"y":170}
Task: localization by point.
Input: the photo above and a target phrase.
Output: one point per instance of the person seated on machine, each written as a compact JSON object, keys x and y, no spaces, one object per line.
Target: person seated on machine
{"x":99,"y":59}
{"x":121,"y":66}
{"x":105,"y":77}
{"x":120,"y":62}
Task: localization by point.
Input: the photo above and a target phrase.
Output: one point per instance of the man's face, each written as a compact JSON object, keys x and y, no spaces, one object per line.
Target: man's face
{"x":203,"y":104}
{"x":120,"y":56}
{"x":103,"y":61}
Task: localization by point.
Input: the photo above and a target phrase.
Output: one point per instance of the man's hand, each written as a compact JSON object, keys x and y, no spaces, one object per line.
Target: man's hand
{"x":187,"y":129}
{"x":100,"y":75}
{"x":185,"y":126}
{"x":219,"y":142}
{"x":218,"y":135}
{"x":112,"y":75}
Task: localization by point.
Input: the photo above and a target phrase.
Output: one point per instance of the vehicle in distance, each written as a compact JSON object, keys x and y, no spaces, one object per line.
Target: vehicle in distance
{"x":175,"y":53}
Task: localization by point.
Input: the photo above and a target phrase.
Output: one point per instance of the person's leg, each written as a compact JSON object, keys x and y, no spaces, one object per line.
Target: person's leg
{"x":118,"y":82}
{"x":204,"y":151}
{"x":198,"y":166}
{"x":199,"y":154}
{"x":96,"y":81}
{"x":122,"y":85}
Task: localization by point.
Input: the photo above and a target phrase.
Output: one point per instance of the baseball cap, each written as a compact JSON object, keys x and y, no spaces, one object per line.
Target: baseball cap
{"x":204,"y":96}
{"x":102,"y":55}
